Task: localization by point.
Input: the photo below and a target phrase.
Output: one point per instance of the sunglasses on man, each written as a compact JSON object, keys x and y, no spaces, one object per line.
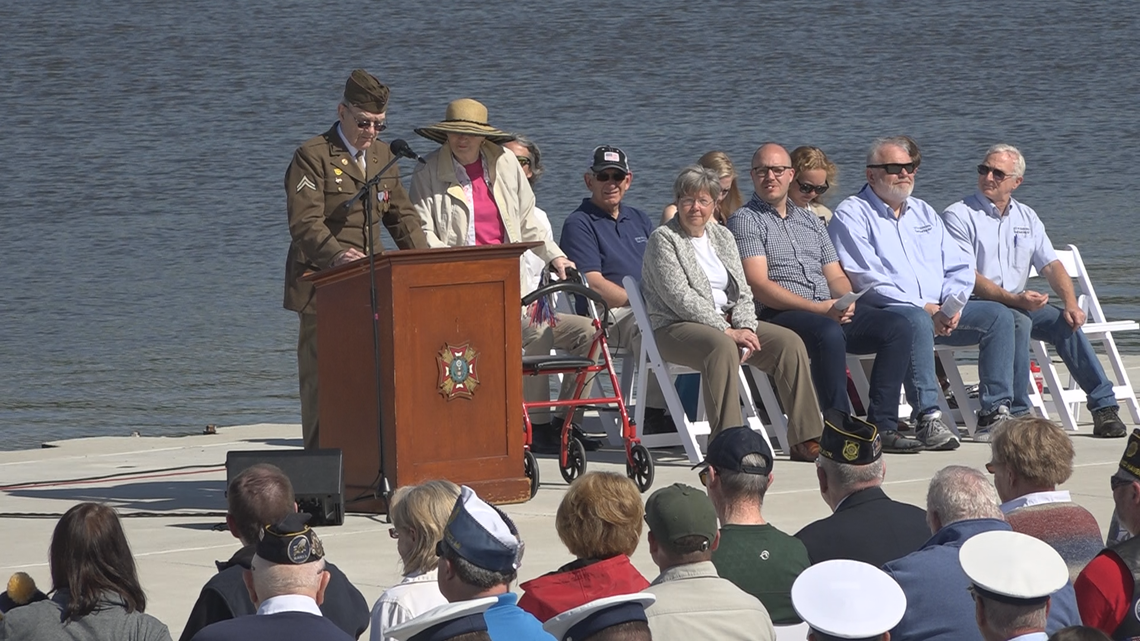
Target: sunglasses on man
{"x":985,"y":170}
{"x":608,"y":176}
{"x":895,"y":168}
{"x":808,"y":188}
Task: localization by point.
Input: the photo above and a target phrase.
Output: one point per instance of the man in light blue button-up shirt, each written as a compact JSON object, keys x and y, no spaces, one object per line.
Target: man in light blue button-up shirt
{"x":897,"y":247}
{"x":1004,"y":238}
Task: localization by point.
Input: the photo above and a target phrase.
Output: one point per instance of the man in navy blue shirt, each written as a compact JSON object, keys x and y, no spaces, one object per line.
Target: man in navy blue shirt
{"x":606,"y":240}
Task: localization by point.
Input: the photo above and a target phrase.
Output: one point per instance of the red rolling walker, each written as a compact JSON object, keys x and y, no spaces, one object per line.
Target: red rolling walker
{"x":572,"y":454}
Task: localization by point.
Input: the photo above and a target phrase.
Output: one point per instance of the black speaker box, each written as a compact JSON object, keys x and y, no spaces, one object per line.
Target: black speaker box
{"x":317,"y":477}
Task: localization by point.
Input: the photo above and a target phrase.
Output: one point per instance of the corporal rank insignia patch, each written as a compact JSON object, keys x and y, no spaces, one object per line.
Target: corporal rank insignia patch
{"x":306,"y":182}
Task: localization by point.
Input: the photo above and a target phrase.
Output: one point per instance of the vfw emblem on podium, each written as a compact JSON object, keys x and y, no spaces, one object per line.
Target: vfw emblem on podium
{"x":458,"y":375}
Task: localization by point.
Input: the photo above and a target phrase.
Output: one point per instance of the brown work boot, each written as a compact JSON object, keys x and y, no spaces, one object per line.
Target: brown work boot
{"x":806,"y":452}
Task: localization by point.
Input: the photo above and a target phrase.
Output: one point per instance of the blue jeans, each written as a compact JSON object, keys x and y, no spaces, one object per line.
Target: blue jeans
{"x":1047,"y":324}
{"x":871,"y":331}
{"x":988,"y":325}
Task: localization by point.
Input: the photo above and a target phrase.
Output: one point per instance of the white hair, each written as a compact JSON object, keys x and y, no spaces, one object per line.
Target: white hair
{"x":1018,"y":159}
{"x":849,"y":478}
{"x":276,"y":579}
{"x":958,"y":493}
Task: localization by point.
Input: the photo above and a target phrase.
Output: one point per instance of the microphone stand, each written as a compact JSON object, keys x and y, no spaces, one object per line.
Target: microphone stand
{"x":381,"y":487}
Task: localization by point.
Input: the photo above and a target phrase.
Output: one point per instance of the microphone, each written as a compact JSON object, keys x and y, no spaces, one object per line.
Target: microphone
{"x":399,"y":147}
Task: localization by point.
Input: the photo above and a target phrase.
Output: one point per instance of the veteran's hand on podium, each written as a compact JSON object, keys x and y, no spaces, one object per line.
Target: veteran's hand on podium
{"x":560,"y":265}
{"x":347,"y":256}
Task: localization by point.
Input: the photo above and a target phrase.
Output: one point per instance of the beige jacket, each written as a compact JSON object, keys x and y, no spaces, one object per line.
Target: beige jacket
{"x":444,"y":214}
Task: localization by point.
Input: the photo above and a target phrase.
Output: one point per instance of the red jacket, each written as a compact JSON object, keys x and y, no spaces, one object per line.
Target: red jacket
{"x":578,"y":583}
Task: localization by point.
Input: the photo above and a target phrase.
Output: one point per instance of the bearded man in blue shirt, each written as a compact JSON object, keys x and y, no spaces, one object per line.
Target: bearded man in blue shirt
{"x":897,"y":249}
{"x":1003,"y":238}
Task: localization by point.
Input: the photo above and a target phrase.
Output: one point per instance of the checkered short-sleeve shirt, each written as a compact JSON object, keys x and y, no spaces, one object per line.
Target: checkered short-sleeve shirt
{"x":797,"y":247}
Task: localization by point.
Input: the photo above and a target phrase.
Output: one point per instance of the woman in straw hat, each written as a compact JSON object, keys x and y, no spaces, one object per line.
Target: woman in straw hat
{"x":471,"y":191}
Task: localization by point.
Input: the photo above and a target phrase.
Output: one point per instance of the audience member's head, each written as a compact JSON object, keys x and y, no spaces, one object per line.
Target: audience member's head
{"x":419,"y":514}
{"x":959,"y":493}
{"x":90,"y":557}
{"x":891,"y":166}
{"x":729,"y":199}
{"x":772,"y":173}
{"x":737,"y":472}
{"x":614,"y":618}
{"x":844,"y":599}
{"x":1030,"y":455}
{"x":289,"y":561}
{"x":261,"y":494}
{"x":1079,"y":633}
{"x":462,"y":621}
{"x":850,"y":459}
{"x":600,"y":516}
{"x":1012,"y":576}
{"x":682,"y":526}
{"x":529,"y":156}
{"x":1125,"y":485}
{"x":815,"y":175}
{"x":480,"y":552}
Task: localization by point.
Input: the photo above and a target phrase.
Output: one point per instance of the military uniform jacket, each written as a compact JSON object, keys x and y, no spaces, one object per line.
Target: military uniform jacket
{"x":867,"y":526}
{"x":225,"y":597}
{"x":320,"y":181}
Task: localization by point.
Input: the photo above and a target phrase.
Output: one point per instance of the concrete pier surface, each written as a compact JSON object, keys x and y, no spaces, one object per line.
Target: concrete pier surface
{"x":171,"y":490}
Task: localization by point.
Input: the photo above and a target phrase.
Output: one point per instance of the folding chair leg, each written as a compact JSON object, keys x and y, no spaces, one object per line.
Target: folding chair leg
{"x":967,"y":407}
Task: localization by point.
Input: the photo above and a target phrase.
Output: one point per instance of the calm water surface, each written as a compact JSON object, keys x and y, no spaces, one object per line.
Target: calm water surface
{"x":144,"y":146}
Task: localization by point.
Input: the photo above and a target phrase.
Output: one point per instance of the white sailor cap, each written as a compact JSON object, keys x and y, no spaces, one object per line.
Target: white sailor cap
{"x":1012,"y":567}
{"x":848,"y":599}
{"x":446,"y":621}
{"x":585,"y":620}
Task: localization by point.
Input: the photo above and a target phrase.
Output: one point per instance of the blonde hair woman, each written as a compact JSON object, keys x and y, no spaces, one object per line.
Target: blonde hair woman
{"x":729,"y":199}
{"x":815,"y":174}
{"x":419,"y":513}
{"x":599,"y":521}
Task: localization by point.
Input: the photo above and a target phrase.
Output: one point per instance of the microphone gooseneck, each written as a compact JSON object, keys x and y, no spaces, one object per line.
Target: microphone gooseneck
{"x":399,"y":147}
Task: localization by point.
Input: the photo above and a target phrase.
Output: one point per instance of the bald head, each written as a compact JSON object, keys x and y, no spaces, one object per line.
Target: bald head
{"x":772,"y":173}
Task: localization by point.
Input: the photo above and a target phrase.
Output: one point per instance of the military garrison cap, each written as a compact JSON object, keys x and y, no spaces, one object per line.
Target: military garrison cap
{"x":290,"y":542}
{"x":1130,"y":462}
{"x":587,"y":620}
{"x":853,"y":441}
{"x":445,"y":622}
{"x":482,"y":534}
{"x":363,"y":90}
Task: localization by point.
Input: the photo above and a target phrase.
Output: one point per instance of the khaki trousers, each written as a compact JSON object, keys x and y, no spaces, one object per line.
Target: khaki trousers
{"x":571,"y":333}
{"x":624,"y":334}
{"x":716,"y":356}
{"x":307,"y":376}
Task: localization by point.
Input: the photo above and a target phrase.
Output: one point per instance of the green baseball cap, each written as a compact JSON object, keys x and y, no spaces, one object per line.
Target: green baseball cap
{"x":680,"y":510}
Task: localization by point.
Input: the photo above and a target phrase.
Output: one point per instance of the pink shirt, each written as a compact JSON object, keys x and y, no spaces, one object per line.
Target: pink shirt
{"x":488,"y":225}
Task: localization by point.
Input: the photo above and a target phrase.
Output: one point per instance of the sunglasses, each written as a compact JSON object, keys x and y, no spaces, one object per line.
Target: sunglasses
{"x":524,"y":161}
{"x":1116,"y":482}
{"x":704,"y":475}
{"x":808,"y":188}
{"x":394,"y":533}
{"x":999,"y":175}
{"x":777,"y":170}
{"x":379,"y":125}
{"x":607,"y":176}
{"x":895,"y":168}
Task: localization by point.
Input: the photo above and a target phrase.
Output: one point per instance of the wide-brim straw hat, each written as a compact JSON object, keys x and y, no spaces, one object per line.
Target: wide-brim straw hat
{"x":465,"y":116}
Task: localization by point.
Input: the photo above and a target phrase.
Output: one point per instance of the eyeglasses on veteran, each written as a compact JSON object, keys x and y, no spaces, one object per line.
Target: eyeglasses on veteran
{"x":985,"y":170}
{"x":895,"y":168}
{"x":777,"y":170}
{"x":689,"y":202}
{"x":608,"y":176}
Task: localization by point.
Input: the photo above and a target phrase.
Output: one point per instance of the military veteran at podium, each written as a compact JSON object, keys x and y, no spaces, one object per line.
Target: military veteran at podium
{"x":325,"y":174}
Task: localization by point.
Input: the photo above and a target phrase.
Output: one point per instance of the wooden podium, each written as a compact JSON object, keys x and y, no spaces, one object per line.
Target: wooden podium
{"x":450,"y":371}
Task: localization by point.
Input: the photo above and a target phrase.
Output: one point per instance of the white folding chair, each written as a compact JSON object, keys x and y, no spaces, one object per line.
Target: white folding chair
{"x":650,"y":361}
{"x":1069,"y":397}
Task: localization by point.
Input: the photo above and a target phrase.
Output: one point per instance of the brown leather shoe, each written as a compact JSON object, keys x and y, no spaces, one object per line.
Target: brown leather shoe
{"x":805,"y":452}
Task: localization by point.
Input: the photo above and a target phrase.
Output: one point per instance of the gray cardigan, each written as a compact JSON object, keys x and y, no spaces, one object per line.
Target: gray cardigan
{"x":42,"y":621}
{"x":676,"y":288}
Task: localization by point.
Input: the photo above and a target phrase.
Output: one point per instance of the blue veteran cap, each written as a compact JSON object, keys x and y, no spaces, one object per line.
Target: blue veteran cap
{"x":482,"y":534}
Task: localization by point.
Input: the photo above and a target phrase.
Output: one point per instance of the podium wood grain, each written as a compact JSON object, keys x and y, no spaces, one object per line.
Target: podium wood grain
{"x":427,"y":299}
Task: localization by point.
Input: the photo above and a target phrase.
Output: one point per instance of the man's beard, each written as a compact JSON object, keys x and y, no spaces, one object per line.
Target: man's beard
{"x":897,"y":191}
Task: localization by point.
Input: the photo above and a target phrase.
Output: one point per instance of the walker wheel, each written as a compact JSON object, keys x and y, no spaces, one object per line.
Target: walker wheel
{"x":575,"y":461}
{"x":530,"y":467}
{"x":640,"y":467}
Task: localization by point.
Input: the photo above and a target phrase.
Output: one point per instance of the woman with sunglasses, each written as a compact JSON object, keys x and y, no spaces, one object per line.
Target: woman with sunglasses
{"x":815,"y":175}
{"x":729,"y":200}
{"x":419,"y":514}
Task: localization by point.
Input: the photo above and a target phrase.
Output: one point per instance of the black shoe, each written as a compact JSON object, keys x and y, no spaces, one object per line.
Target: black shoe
{"x":658,"y":422}
{"x":895,"y":443}
{"x":544,"y":438}
{"x":1107,"y":423}
{"x":990,"y":421}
